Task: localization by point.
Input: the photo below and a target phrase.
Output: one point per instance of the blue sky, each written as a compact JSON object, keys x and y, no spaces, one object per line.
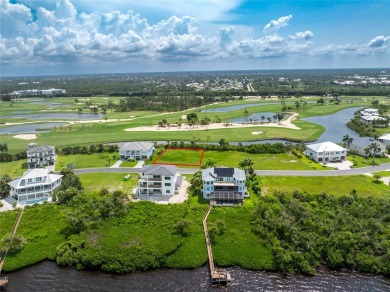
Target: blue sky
{"x":41,"y":37}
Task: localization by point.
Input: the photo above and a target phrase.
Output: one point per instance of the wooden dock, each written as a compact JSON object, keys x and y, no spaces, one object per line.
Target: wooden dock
{"x":16,"y":225}
{"x":217,"y":276}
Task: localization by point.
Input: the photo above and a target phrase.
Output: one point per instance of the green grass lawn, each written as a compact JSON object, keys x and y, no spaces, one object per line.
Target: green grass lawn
{"x":360,"y":161}
{"x":13,"y":168}
{"x":181,"y":156}
{"x":86,"y":160}
{"x":382,"y":173}
{"x":128,"y":163}
{"x":94,"y":182}
{"x":285,"y":161}
{"x":340,"y":185}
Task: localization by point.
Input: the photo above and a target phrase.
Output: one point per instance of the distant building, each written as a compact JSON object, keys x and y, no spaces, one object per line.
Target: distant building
{"x":40,"y":156}
{"x":159,"y":180}
{"x":137,"y":150}
{"x":385,"y":139}
{"x":224,"y":185}
{"x":51,"y":91}
{"x":359,"y":146}
{"x":326,"y":152}
{"x":34,"y":185}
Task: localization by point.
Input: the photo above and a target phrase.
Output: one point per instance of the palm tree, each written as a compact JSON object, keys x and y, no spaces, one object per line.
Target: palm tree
{"x":374,"y":149}
{"x":262,"y":119}
{"x":246,"y":164}
{"x":223,"y":143}
{"x":347,"y":141}
{"x":209,"y":163}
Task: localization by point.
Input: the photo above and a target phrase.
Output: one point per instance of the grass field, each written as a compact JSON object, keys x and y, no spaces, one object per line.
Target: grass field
{"x":86,"y":160}
{"x":128,"y":163}
{"x":114,"y":131}
{"x":186,"y":157}
{"x":340,"y":185}
{"x":360,"y":161}
{"x":286,"y":161}
{"x":382,"y":173}
{"x":13,"y":168}
{"x":94,"y":182}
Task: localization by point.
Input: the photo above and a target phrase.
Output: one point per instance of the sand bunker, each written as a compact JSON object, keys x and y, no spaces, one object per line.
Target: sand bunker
{"x":26,"y":136}
{"x":256,"y":133}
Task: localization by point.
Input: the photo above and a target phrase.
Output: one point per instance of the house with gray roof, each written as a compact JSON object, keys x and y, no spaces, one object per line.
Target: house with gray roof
{"x":35,"y":185}
{"x":159,"y":180}
{"x":40,"y":156}
{"x":137,"y":150}
{"x":360,"y":145}
{"x":224,"y":185}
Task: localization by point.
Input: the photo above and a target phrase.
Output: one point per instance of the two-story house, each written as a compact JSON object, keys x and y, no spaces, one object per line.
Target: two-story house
{"x":158,"y":180}
{"x":224,"y":185}
{"x":35,"y":185}
{"x":40,"y":156}
{"x":136,"y":150}
{"x":326,"y":152}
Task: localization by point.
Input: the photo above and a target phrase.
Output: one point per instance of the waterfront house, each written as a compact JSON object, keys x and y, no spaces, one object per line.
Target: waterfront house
{"x":385,"y":139}
{"x":326,"y":152}
{"x":224,"y":185}
{"x":136,"y":150}
{"x":40,"y":156}
{"x":35,"y":185}
{"x":359,"y":146}
{"x":159,"y":180}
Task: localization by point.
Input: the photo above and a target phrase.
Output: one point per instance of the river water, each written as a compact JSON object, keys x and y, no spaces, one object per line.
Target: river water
{"x":46,"y":276}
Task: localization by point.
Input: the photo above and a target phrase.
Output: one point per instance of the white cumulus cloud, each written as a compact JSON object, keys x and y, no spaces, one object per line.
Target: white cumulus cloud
{"x":275,"y":25}
{"x":303,"y":35}
{"x":378,"y":41}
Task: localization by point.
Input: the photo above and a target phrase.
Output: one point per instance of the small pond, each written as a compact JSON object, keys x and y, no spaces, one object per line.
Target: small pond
{"x":29,"y":128}
{"x":68,"y":116}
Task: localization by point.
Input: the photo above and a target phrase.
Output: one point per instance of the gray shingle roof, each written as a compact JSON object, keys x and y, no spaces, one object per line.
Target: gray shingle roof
{"x":155,"y":169}
{"x":137,"y":146}
{"x":40,"y":149}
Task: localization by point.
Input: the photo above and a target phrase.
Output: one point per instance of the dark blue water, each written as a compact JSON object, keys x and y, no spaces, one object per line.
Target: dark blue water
{"x":46,"y":276}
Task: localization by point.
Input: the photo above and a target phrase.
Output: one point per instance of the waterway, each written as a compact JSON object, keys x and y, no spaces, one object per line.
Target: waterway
{"x":235,"y":107}
{"x":46,"y":276}
{"x":68,"y":116}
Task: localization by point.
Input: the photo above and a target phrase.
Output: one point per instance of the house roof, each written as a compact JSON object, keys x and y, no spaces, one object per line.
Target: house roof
{"x":372,"y":118}
{"x":385,"y":136}
{"x":325,"y":146}
{"x":39,"y":149}
{"x":168,"y":170}
{"x":210,"y":174}
{"x":137,"y":146}
{"x":364,"y":143}
{"x":33,"y":173}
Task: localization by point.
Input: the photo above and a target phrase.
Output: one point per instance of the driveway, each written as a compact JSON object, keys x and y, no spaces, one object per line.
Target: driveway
{"x":7,"y":204}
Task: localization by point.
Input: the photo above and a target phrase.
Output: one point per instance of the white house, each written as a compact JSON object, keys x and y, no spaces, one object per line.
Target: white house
{"x":224,"y":185}
{"x":159,"y":180}
{"x":137,"y":150}
{"x":326,"y":152}
{"x":385,"y":139}
{"x":35,"y":185}
{"x":359,"y":146}
{"x":369,"y":112}
{"x":40,"y":156}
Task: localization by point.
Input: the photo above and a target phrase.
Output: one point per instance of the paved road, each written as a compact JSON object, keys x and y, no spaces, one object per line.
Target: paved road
{"x":354,"y":171}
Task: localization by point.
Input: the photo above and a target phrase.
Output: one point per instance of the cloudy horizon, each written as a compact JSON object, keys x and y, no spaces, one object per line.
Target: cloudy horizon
{"x":41,"y":37}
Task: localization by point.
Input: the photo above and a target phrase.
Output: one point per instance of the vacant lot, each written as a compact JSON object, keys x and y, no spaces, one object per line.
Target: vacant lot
{"x":86,"y":160}
{"x":188,"y":157}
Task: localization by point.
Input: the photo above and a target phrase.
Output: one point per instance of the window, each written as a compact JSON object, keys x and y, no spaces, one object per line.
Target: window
{"x":29,"y":180}
{"x":167,"y":178}
{"x":38,"y":179}
{"x":167,"y":184}
{"x":168,"y":191}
